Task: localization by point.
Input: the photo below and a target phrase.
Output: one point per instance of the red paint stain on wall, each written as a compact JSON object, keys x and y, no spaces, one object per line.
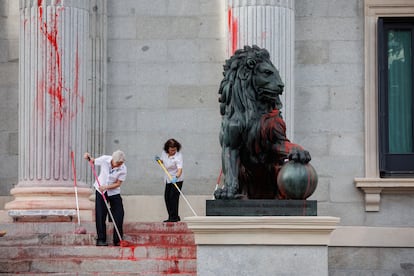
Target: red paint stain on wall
{"x":233,"y":27}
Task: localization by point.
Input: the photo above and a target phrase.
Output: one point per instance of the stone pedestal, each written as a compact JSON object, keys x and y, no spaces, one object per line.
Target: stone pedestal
{"x":261,"y":207}
{"x":270,"y":245}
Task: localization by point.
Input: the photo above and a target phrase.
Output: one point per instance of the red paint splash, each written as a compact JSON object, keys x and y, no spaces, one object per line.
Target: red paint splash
{"x":131,"y":247}
{"x":233,"y":28}
{"x":174,"y":268}
{"x":273,"y":128}
{"x":54,"y":85}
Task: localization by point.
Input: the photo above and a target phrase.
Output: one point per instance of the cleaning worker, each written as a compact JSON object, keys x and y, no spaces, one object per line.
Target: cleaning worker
{"x":108,"y":186}
{"x":172,"y":160}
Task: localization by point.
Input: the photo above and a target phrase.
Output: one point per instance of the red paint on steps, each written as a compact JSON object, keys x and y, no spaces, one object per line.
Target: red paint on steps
{"x":78,"y":251}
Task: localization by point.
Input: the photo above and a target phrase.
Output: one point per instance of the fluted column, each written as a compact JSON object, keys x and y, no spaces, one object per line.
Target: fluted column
{"x":268,"y":24}
{"x":52,"y":105}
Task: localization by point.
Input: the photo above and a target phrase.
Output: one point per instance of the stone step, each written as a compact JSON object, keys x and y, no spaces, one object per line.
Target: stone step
{"x":16,"y":228}
{"x":63,"y":233}
{"x":151,"y":249}
{"x":173,"y":239}
{"x":102,"y":274}
{"x":93,"y":265}
{"x":114,"y":252}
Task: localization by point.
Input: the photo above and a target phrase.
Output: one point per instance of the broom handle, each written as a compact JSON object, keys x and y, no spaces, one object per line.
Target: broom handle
{"x":72,"y":155}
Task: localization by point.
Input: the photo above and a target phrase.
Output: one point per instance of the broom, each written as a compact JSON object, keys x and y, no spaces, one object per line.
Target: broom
{"x":79,"y":230}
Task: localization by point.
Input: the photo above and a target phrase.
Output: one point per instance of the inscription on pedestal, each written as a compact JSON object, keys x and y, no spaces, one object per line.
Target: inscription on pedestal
{"x":261,"y":207}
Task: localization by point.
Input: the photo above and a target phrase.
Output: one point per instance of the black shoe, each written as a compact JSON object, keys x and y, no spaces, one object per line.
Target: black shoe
{"x":101,"y":243}
{"x":175,"y":219}
{"x":116,"y":243}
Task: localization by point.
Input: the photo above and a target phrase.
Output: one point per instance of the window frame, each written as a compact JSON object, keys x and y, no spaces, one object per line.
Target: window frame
{"x":390,"y":164}
{"x":371,"y":184}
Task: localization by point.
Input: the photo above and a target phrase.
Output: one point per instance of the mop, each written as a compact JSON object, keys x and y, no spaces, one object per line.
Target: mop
{"x":122,"y":242}
{"x":79,"y":230}
{"x":170,"y":177}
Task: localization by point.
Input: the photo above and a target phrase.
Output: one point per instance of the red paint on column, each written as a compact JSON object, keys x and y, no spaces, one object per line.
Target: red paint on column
{"x":54,"y":82}
{"x":233,"y":27}
{"x":76,"y":94}
{"x":53,"y":89}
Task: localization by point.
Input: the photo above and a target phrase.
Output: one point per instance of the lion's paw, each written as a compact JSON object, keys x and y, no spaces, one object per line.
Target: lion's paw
{"x":224,"y":193}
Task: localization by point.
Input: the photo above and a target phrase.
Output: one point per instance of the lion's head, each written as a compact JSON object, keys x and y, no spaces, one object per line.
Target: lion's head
{"x":251,"y":83}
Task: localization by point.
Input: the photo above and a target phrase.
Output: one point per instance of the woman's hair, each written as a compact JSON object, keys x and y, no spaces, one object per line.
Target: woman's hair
{"x":172,"y":143}
{"x":118,"y":156}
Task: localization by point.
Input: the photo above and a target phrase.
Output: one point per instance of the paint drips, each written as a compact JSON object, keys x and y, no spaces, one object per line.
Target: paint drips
{"x":53,"y":83}
{"x":233,"y":28}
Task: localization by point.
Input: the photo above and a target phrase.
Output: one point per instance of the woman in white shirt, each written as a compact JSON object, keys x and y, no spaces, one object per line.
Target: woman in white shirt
{"x":112,"y":174}
{"x":172,"y":159}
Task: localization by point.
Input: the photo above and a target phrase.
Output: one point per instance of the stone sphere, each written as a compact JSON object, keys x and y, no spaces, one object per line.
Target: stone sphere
{"x":296,"y":180}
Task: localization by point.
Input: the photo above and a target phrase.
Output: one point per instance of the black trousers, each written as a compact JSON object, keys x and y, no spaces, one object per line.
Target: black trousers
{"x":171,"y":198}
{"x":101,"y":212}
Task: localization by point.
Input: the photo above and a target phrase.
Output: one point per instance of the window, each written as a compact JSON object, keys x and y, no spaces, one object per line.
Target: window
{"x":395,"y":87}
{"x":371,"y":183}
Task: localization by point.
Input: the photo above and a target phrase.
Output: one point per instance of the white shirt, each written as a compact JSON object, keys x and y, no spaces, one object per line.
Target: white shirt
{"x":172,"y":164}
{"x":109,"y":175}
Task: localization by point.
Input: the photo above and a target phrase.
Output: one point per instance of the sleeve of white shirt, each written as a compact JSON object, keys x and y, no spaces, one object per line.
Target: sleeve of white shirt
{"x":123,"y":173}
{"x":99,"y":160}
{"x":163,"y":156}
{"x":179,"y":157}
{"x":103,"y":175}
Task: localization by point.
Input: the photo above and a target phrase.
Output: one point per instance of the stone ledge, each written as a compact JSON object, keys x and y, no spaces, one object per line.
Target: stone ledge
{"x":373,"y":187}
{"x":267,"y":230}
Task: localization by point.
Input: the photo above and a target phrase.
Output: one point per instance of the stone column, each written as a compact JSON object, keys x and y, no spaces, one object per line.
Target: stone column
{"x":52,"y":108}
{"x":268,"y":24}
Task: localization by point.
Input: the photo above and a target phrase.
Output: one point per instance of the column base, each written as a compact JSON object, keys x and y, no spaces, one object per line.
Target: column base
{"x":62,"y":215}
{"x":49,"y":204}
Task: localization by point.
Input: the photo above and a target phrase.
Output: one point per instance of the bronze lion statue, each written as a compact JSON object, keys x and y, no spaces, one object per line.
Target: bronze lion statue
{"x":253,"y":132}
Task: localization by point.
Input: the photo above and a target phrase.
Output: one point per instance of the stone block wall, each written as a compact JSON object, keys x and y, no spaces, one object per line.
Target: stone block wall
{"x":164,"y":65}
{"x":9,"y":79}
{"x":329,"y":118}
{"x":164,"y":68}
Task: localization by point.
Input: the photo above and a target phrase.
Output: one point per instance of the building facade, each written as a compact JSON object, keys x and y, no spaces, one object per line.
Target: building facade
{"x":152,"y":72}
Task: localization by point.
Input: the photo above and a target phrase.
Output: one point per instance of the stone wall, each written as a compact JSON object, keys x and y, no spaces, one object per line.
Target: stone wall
{"x":329,"y":101}
{"x":9,"y":78}
{"x":164,"y":67}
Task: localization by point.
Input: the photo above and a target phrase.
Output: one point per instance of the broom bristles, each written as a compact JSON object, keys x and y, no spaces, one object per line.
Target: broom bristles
{"x":80,"y":230}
